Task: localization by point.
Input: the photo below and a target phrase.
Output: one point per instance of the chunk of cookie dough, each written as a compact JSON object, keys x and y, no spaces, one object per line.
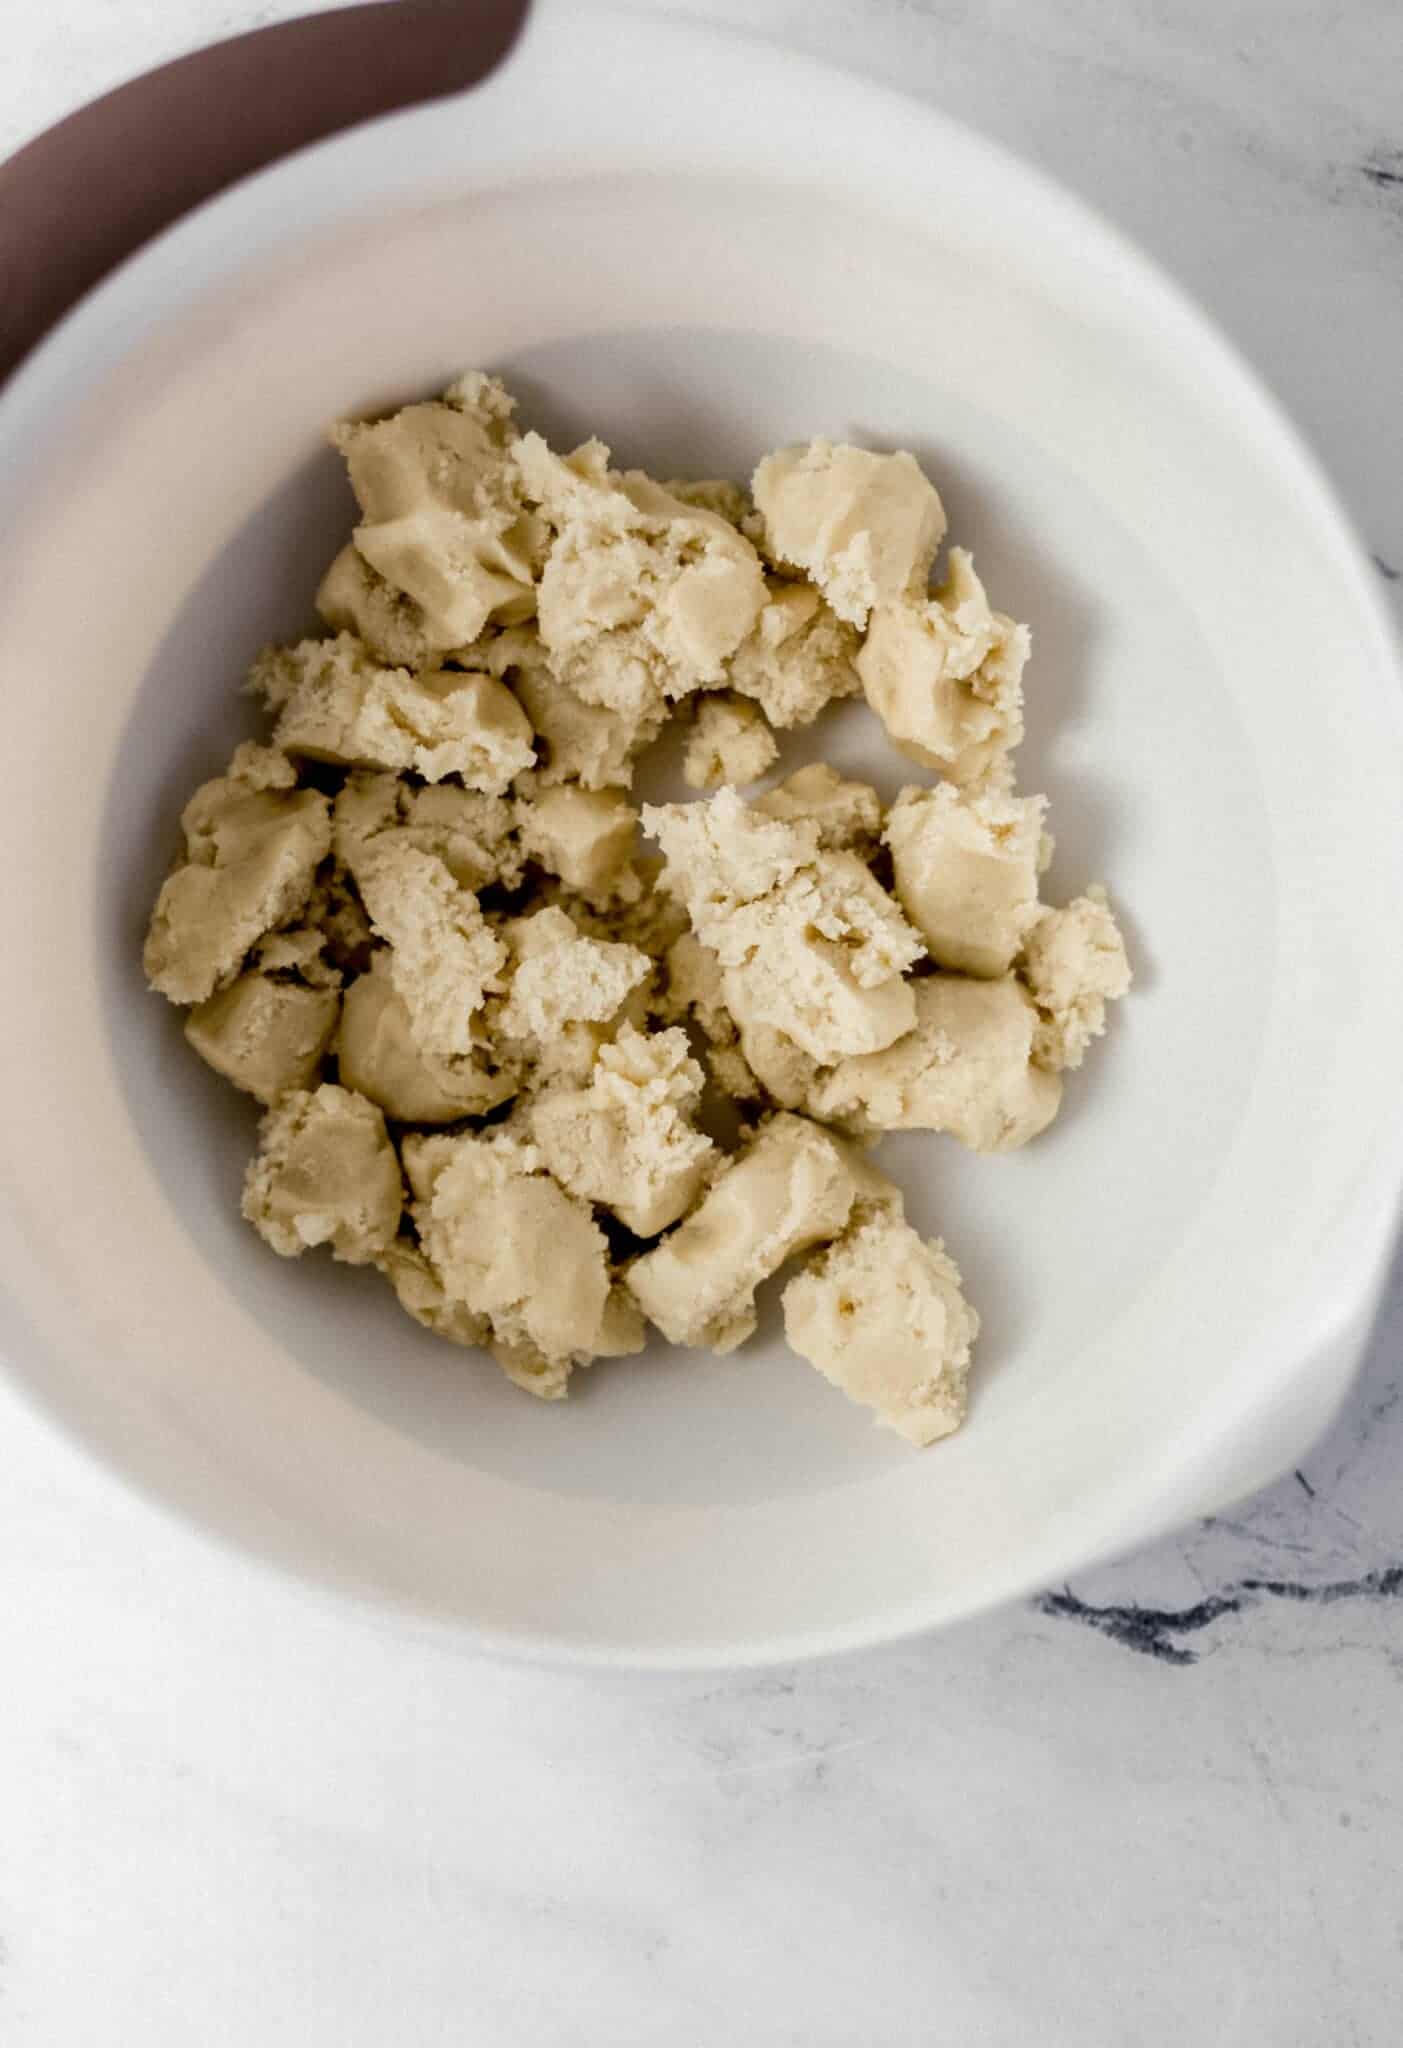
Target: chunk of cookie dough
{"x":379,"y":1056}
{"x":269,"y":1031}
{"x":585,"y":836}
{"x":945,"y":676}
{"x":863,"y":527}
{"x":339,"y":705}
{"x":325,"y":1173}
{"x":798,"y":657}
{"x":730,"y":742}
{"x":643,"y":598}
{"x":965,"y":869}
{"x":809,"y":942}
{"x":511,"y":1246}
{"x":627,"y":1141}
{"x":443,"y":521}
{"x":567,"y":995}
{"x":421,"y":1294}
{"x":352,"y":598}
{"x":881,"y":1314}
{"x":592,"y":744}
{"x":444,"y":956}
{"x":846,"y":815}
{"x":789,"y":1190}
{"x":475,"y":836}
{"x":964,"y":1068}
{"x":1074,"y":963}
{"x":253,"y":844}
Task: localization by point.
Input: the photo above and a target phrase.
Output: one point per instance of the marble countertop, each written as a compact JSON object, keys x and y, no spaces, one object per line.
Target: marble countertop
{"x":1161,"y":1805}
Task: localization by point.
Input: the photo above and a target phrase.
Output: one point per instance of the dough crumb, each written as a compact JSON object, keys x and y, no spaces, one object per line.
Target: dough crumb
{"x":863,"y":527}
{"x":882,"y":1315}
{"x":1074,"y":963}
{"x":790,"y":1189}
{"x":945,"y":676}
{"x":729,"y":743}
{"x":325,"y":1173}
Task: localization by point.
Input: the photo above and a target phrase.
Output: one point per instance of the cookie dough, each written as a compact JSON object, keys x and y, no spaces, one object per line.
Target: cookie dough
{"x":325,"y":1173}
{"x":729,"y":743}
{"x":561,"y":1066}
{"x":790,"y":1189}
{"x":882,"y":1315}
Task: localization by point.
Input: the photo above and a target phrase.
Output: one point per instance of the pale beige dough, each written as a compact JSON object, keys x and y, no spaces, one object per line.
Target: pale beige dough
{"x":945,"y":676}
{"x":882,"y":1315}
{"x":643,"y":598}
{"x":966,"y":1067}
{"x":730,"y":742}
{"x":380,"y":1057}
{"x":338,"y":704}
{"x":863,"y":527}
{"x":846,"y":815}
{"x":511,"y":1246}
{"x":444,"y":956}
{"x":789,"y":1190}
{"x":266,"y":1033}
{"x":576,"y":741}
{"x":432,"y":885}
{"x":253,"y":844}
{"x":443,"y":519}
{"x":325,"y":1173}
{"x":1074,"y":963}
{"x":587,"y":837}
{"x":797,"y":658}
{"x":966,"y":873}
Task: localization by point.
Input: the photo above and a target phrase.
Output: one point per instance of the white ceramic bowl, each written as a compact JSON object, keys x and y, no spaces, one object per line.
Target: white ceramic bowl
{"x":700,"y":248}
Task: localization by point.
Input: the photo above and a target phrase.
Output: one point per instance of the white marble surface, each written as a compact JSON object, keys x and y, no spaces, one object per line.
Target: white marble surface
{"x":1163,"y":1806}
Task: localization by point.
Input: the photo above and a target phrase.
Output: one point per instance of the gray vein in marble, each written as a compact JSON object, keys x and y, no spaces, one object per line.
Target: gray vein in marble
{"x":1152,"y":1630}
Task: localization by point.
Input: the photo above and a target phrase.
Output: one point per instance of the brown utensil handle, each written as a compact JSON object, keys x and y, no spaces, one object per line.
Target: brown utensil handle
{"x":93,"y":188}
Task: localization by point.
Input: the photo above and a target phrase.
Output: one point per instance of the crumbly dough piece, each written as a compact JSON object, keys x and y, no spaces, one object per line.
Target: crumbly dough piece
{"x":443,"y":521}
{"x":511,"y":1246}
{"x":628,"y":1141}
{"x":724,"y":853}
{"x":421,"y":1295}
{"x":475,"y":836}
{"x":965,"y":869}
{"x":1074,"y":963}
{"x":730,"y":742}
{"x":790,"y":1189}
{"x":845,"y":814}
{"x":643,"y":598}
{"x":863,"y":527}
{"x":592,"y":744}
{"x":253,"y":844}
{"x":809,"y":942}
{"x":268,"y":1032}
{"x":729,"y":501}
{"x":585,"y":836}
{"x":567,"y":995}
{"x":797,"y":658}
{"x":965,"y":1068}
{"x":945,"y":676}
{"x":444,"y":955}
{"x":379,"y":1056}
{"x":882,"y":1314}
{"x":352,"y":598}
{"x":325,"y":1173}
{"x":338,"y":704}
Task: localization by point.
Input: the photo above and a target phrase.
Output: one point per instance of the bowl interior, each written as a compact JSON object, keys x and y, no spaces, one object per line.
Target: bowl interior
{"x":1119,"y":492}
{"x":1118,"y":691}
